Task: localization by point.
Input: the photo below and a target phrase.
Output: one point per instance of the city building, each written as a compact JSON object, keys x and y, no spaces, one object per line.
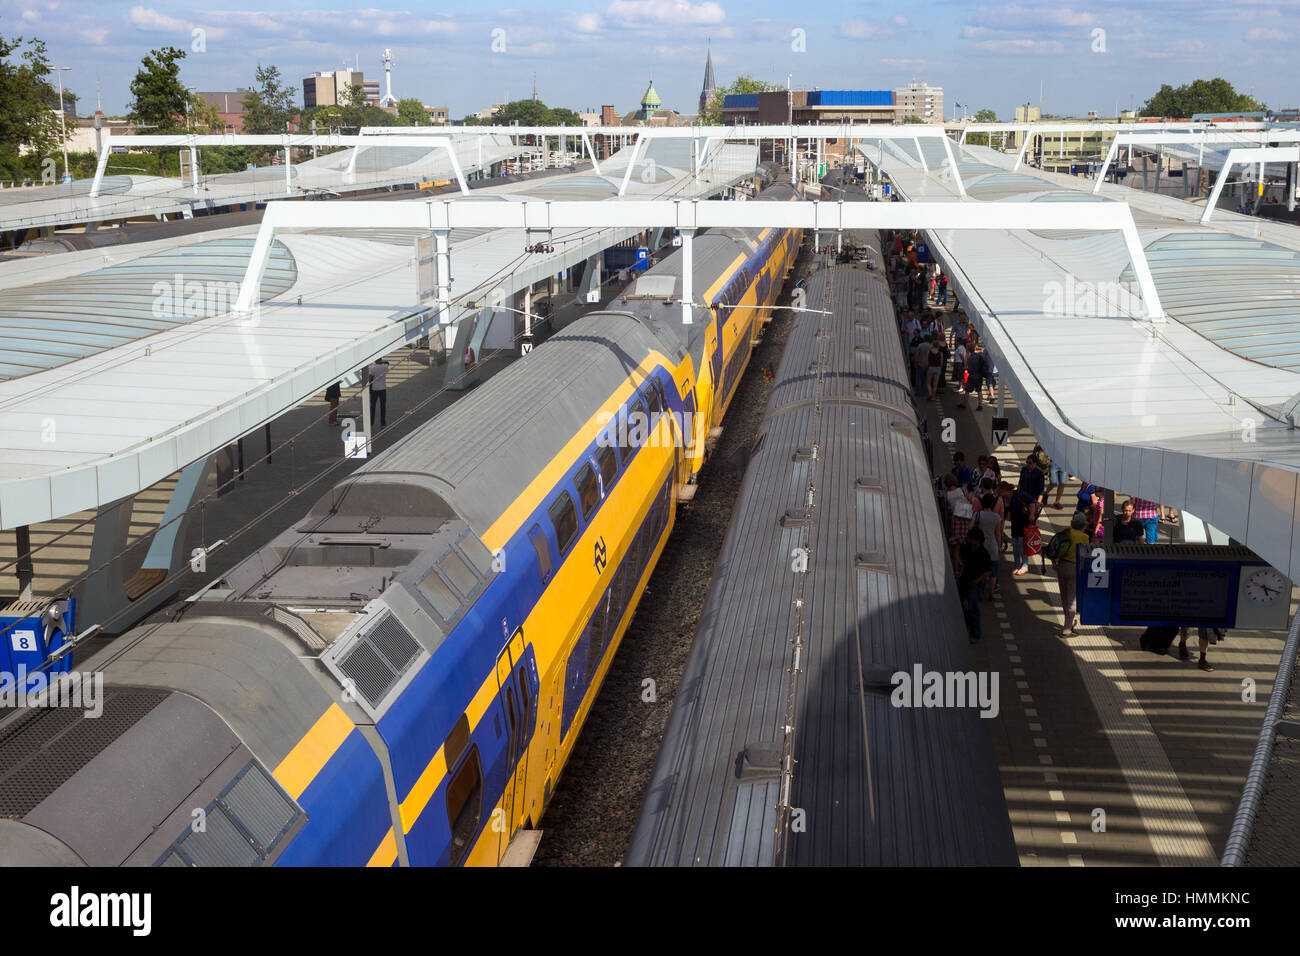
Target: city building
{"x":1065,"y":151}
{"x":809,"y":106}
{"x":438,"y":115}
{"x":229,"y":105}
{"x":921,"y":100}
{"x":652,"y":112}
{"x":329,"y":88}
{"x":372,"y":92}
{"x":488,"y":113}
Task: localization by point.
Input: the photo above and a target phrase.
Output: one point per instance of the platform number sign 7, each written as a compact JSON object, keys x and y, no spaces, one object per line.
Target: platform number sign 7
{"x":23,"y":641}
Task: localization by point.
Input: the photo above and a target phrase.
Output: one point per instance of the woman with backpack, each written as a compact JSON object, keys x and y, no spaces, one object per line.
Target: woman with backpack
{"x":1061,"y":550}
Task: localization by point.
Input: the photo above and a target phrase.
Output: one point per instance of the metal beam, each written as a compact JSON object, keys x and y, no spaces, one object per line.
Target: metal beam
{"x":448,"y":214}
{"x":1200,"y":138}
{"x":1252,"y":154}
{"x":283,"y":140}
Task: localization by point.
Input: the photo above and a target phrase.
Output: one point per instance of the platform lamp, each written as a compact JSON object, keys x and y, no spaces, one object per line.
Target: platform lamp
{"x":63,"y":125}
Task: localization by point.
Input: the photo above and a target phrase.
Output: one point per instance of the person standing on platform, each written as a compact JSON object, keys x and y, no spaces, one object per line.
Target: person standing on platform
{"x":378,"y":378}
{"x":973,"y":569}
{"x":989,"y":524}
{"x":332,"y":395}
{"x":1147,"y":514}
{"x":1127,"y":530}
{"x":1087,"y":496}
{"x":959,"y":364}
{"x":1025,"y":506}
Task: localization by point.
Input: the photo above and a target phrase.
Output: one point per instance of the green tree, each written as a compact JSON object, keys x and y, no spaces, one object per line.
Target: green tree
{"x":712,"y":115}
{"x":1200,"y":96}
{"x":411,"y":112}
{"x":159,"y":95}
{"x":25,"y":117}
{"x":202,"y":116}
{"x":985,"y":115}
{"x":269,"y":106}
{"x":911,"y":119}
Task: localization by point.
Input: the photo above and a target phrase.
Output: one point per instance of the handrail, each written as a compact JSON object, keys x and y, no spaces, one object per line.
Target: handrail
{"x":1234,"y":853}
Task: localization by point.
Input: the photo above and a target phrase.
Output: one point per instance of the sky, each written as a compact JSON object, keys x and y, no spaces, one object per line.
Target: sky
{"x":584,"y":53}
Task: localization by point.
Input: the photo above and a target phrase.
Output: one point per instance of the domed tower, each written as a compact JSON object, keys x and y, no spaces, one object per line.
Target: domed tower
{"x":650,"y":102}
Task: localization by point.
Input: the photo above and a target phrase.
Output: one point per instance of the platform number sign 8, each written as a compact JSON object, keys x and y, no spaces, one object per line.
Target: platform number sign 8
{"x":23,"y":641}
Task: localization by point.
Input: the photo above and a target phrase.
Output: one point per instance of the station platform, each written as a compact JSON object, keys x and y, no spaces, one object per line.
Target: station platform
{"x":1093,"y":723}
{"x":416,"y":393}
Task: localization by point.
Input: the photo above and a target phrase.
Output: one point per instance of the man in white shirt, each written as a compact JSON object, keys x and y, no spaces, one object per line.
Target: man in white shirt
{"x":378,"y":377}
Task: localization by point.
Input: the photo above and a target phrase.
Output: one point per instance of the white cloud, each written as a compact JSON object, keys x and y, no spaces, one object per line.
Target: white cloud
{"x":586,"y":23}
{"x":94,"y":35}
{"x":147,"y":18}
{"x":864,"y":30}
{"x":30,"y":15}
{"x":1267,"y":35}
{"x":679,"y":12}
{"x":906,"y":64}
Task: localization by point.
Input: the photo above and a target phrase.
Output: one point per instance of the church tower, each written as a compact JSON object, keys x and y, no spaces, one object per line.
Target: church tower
{"x":710,"y":88}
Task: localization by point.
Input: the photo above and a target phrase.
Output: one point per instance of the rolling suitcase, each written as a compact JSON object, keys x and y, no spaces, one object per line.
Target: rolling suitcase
{"x":1157,"y":639}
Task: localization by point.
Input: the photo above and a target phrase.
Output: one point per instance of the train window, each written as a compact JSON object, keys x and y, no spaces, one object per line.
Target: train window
{"x":456,"y":741}
{"x":465,"y":806}
{"x":440,"y":595}
{"x":658,"y":387}
{"x":638,"y":424}
{"x":596,"y":635}
{"x":525,"y":697}
{"x":625,"y":446}
{"x":459,"y":573}
{"x":617,"y":600}
{"x":512,"y":720}
{"x":564,"y":519}
{"x":537,"y":538}
{"x":653,"y":399}
{"x":608,"y":466}
{"x":588,"y":490}
{"x":597,"y":631}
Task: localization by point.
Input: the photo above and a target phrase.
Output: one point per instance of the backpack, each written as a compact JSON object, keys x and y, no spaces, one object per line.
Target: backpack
{"x":1058,"y":545}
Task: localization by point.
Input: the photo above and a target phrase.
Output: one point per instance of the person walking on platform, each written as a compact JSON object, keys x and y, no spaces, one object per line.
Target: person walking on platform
{"x":378,"y":378}
{"x":1208,"y":636}
{"x":1065,"y":572}
{"x":973,"y":569}
{"x":943,"y":289}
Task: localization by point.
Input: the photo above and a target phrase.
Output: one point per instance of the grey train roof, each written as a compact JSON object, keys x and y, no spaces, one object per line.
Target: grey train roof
{"x":878,"y":785}
{"x":522,"y":417}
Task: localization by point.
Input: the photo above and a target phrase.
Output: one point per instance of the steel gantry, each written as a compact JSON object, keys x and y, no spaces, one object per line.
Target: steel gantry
{"x":440,"y":217}
{"x":285,"y":141}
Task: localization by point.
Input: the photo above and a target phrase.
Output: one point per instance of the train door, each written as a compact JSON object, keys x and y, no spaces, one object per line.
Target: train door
{"x":715,"y":357}
{"x":509,"y":690}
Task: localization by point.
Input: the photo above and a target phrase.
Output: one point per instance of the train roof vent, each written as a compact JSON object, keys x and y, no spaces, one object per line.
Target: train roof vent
{"x":244,"y":826}
{"x":653,"y":287}
{"x":374,"y":662}
{"x":41,"y":749}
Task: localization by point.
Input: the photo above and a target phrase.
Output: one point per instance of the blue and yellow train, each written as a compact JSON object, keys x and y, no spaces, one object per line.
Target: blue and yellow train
{"x":400,"y":678}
